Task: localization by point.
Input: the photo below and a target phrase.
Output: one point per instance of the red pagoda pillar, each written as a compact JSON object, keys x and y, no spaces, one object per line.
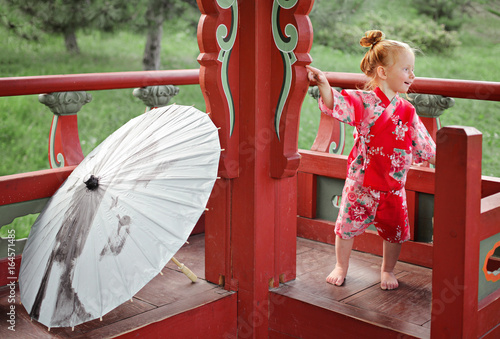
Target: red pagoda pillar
{"x":253,"y":78}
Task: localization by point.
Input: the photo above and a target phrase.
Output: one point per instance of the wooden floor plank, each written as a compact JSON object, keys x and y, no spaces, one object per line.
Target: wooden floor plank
{"x":406,"y":310}
{"x":165,"y":295}
{"x":410,"y":302}
{"x":171,"y":287}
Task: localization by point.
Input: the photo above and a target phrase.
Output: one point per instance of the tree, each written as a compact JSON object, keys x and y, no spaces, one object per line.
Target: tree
{"x":65,"y":17}
{"x":157,"y":12}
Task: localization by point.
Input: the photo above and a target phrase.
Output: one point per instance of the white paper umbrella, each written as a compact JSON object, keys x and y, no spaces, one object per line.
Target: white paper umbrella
{"x":120,"y":216}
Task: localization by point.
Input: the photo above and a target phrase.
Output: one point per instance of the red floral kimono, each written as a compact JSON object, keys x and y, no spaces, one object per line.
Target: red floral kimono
{"x":389,"y":138}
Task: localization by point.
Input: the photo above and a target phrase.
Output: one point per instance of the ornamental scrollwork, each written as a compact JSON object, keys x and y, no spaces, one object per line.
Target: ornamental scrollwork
{"x":225,"y":39}
{"x":286,"y":42}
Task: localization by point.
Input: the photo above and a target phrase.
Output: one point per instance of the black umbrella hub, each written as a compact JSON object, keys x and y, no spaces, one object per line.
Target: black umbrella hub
{"x":92,"y":182}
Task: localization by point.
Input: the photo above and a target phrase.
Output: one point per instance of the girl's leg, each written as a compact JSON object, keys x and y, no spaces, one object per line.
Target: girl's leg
{"x":343,"y":251}
{"x":388,"y":280}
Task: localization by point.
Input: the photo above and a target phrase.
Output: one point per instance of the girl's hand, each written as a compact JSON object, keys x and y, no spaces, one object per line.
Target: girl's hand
{"x":325,"y":91}
{"x":314,"y":74}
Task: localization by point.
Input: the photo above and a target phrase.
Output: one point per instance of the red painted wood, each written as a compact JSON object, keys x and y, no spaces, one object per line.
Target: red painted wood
{"x":285,"y":236}
{"x":284,"y":153}
{"x":252,"y":217}
{"x":489,"y":186}
{"x":305,"y":316}
{"x":490,"y":216}
{"x":200,"y":226}
{"x":95,"y":81}
{"x":212,"y":72}
{"x":33,"y":185}
{"x":323,"y":230}
{"x":256,"y":214}
{"x":6,"y":266}
{"x":67,"y":140}
{"x":217,"y":234}
{"x":416,"y":253}
{"x":412,"y":203}
{"x":480,"y":90}
{"x":420,"y":179}
{"x":329,"y":130}
{"x":306,"y":195}
{"x":489,"y":311}
{"x":320,"y":163}
{"x":316,"y":229}
{"x":431,"y":125}
{"x":213,"y":320}
{"x":456,"y":233}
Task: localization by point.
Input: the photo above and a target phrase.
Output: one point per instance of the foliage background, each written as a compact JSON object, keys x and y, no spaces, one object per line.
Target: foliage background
{"x":471,"y":53}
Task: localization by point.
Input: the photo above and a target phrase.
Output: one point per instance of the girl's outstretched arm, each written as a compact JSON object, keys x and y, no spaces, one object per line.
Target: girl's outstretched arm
{"x":325,"y":90}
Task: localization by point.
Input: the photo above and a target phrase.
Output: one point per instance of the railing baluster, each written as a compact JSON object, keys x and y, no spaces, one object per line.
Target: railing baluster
{"x":64,"y":142}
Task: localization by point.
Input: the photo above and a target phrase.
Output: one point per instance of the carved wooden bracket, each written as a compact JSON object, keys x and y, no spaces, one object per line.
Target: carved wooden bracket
{"x":292,"y":34}
{"x":219,"y":80}
{"x":64,"y":141}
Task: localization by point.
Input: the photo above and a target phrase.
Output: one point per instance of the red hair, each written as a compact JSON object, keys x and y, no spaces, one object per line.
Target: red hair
{"x":381,"y":53}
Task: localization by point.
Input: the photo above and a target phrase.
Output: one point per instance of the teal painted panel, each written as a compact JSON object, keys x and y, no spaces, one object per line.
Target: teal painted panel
{"x":487,"y":287}
{"x":9,"y":212}
{"x":327,"y":191}
{"x":424,"y":231}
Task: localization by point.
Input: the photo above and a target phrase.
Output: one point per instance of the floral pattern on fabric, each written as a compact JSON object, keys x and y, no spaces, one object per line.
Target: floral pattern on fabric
{"x":400,"y":162}
{"x":361,"y":207}
{"x":393,"y":152}
{"x":357,"y":210}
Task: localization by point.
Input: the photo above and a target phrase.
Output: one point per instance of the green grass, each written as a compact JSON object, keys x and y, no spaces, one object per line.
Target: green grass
{"x":25,"y":123}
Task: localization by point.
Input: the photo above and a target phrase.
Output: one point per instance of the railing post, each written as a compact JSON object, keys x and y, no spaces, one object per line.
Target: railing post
{"x":253,"y":79}
{"x":64,"y":142}
{"x":156,"y":96}
{"x":456,"y":233}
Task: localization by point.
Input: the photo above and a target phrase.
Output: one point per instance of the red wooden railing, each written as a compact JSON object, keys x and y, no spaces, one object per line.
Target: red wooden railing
{"x":467,"y":205}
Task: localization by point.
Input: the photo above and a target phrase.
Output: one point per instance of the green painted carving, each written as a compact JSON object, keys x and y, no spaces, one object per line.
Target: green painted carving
{"x":429,"y":105}
{"x":225,"y":39}
{"x":156,"y":96}
{"x":65,"y":103}
{"x":56,"y":161}
{"x":62,"y":103}
{"x":286,"y":43}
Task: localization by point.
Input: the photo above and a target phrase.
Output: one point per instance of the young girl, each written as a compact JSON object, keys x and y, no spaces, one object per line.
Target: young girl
{"x":389,"y":136}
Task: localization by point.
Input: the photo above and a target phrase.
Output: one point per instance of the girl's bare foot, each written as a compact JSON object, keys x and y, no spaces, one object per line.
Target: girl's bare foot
{"x":388,"y":281}
{"x":337,"y":276}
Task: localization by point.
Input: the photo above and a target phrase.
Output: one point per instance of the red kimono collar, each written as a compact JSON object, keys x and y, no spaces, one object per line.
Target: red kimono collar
{"x":385,"y":100}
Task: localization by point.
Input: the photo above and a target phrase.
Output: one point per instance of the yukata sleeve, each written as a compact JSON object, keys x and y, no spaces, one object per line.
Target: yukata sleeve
{"x":344,"y":107}
{"x":424,"y":147}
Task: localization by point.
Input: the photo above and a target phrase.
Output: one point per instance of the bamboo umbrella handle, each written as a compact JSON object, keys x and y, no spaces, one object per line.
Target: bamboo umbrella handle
{"x":185,"y":270}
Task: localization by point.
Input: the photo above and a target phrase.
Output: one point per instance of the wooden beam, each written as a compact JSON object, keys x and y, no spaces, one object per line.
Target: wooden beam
{"x":490,"y":216}
{"x":33,"y":185}
{"x":303,"y":315}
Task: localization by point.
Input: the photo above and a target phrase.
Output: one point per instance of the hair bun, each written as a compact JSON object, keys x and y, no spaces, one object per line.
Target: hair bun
{"x":371,"y":38}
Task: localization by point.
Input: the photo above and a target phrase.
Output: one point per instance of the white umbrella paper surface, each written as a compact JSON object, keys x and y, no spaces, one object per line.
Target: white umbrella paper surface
{"x":120,"y":216}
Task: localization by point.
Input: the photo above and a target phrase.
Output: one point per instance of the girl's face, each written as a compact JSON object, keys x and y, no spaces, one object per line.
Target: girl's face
{"x":399,"y":76}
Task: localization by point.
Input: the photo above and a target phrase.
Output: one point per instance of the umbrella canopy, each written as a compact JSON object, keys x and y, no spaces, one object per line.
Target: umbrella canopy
{"x":120,"y":216}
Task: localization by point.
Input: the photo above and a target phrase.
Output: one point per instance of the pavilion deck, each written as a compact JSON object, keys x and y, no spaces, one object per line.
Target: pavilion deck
{"x":173,"y":306}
